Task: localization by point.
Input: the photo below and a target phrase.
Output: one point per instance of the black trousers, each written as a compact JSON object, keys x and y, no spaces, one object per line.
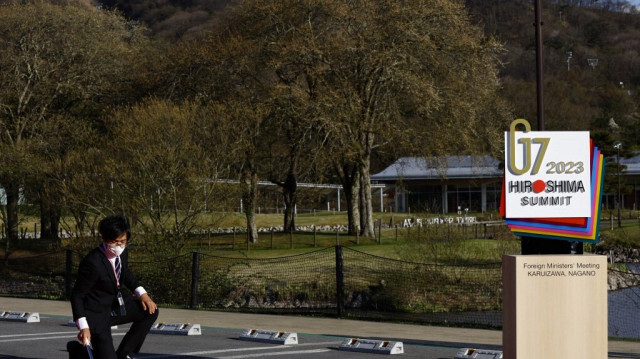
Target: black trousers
{"x":100,"y":327}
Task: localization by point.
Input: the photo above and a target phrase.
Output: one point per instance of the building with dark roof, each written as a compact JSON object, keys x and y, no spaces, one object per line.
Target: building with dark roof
{"x":631,"y":175}
{"x":444,"y":184}
{"x":458,"y":183}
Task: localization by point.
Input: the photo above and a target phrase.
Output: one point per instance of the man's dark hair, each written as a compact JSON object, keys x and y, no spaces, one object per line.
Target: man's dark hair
{"x":112,"y":227}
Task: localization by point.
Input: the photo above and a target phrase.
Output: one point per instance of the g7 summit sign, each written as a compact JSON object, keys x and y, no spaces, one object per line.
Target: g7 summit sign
{"x":547,"y":174}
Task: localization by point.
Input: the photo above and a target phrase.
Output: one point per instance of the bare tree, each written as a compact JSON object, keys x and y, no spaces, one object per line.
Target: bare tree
{"x":164,"y":171}
{"x":415,"y":75}
{"x":55,"y":62}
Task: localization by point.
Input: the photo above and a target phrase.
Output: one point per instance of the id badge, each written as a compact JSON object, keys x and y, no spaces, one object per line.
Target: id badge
{"x":123,"y":310}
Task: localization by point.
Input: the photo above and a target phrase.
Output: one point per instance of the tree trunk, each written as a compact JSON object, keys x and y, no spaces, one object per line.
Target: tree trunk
{"x":54,"y":219}
{"x":80,"y":218}
{"x":361,"y":206}
{"x":250,"y":198}
{"x":289,"y":193}
{"x":45,"y":218}
{"x":49,"y":216}
{"x":13,"y":195}
{"x":366,"y":214}
{"x":350,"y":179}
{"x":366,"y":221}
{"x":353,"y":199}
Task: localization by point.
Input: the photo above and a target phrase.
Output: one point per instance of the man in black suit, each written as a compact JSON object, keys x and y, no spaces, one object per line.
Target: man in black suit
{"x":98,"y":300}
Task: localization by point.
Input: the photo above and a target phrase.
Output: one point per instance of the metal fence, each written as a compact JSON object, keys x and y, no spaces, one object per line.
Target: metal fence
{"x":337,"y":281}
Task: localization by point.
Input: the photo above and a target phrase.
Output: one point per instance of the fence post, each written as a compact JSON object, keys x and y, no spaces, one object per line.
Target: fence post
{"x":233,"y":244}
{"x":396,"y":232}
{"x":314,"y":236}
{"x":611,"y":220}
{"x":195,"y":271}
{"x":291,"y":238}
{"x":337,"y":237}
{"x":339,"y":281}
{"x":380,"y":231}
{"x":271,"y":238}
{"x":67,"y":272}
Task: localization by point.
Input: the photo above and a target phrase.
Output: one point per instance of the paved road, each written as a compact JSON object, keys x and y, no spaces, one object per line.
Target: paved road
{"x":319,"y":338}
{"x":48,"y":338}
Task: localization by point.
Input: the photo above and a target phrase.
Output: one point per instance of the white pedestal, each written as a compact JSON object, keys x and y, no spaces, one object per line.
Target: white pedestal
{"x":554,"y":306}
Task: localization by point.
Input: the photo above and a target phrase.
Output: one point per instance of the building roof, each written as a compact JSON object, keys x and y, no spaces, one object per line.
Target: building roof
{"x":633,"y":165}
{"x":417,"y":168}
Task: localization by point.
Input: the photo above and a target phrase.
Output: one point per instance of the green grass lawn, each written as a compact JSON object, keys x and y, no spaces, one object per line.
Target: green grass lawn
{"x":426,"y":246}
{"x":395,"y":243}
{"x":627,"y":236}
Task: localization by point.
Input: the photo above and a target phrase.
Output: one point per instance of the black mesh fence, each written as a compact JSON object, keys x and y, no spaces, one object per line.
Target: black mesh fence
{"x":386,"y":288}
{"x":168,"y":280}
{"x":330,"y":281}
{"x":302,"y":283}
{"x":39,"y":276}
{"x":624,"y":301}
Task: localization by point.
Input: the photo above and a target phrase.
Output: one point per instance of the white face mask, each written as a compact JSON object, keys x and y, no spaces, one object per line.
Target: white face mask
{"x":117,"y":250}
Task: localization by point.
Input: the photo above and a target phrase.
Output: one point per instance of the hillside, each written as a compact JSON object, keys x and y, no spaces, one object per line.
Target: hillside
{"x":591,"y":65}
{"x":591,"y":56}
{"x":171,"y":19}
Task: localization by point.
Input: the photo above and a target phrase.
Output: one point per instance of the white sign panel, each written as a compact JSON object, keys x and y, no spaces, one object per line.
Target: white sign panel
{"x":547,"y":174}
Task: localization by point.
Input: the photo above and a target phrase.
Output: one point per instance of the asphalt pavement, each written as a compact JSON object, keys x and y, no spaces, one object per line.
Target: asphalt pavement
{"x":318,"y":338}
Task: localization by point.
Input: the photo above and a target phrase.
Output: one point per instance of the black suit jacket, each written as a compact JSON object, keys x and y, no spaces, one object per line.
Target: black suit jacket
{"x":96,"y":287}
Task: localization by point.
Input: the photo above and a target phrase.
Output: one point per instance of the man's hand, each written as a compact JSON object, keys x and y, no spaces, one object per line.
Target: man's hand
{"x":84,"y":337}
{"x":148,"y":304}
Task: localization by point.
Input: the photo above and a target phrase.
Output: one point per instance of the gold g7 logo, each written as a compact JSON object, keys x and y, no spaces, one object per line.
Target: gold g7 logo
{"x":526,"y":149}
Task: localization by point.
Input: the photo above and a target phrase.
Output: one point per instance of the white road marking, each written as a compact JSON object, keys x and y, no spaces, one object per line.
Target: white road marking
{"x":71,"y":335}
{"x":221,"y":351}
{"x":22,"y":335}
{"x":278,"y":353}
{"x":210,"y":352}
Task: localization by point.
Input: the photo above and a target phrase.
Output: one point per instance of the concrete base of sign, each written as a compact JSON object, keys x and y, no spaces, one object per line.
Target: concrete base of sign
{"x":554,"y":306}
